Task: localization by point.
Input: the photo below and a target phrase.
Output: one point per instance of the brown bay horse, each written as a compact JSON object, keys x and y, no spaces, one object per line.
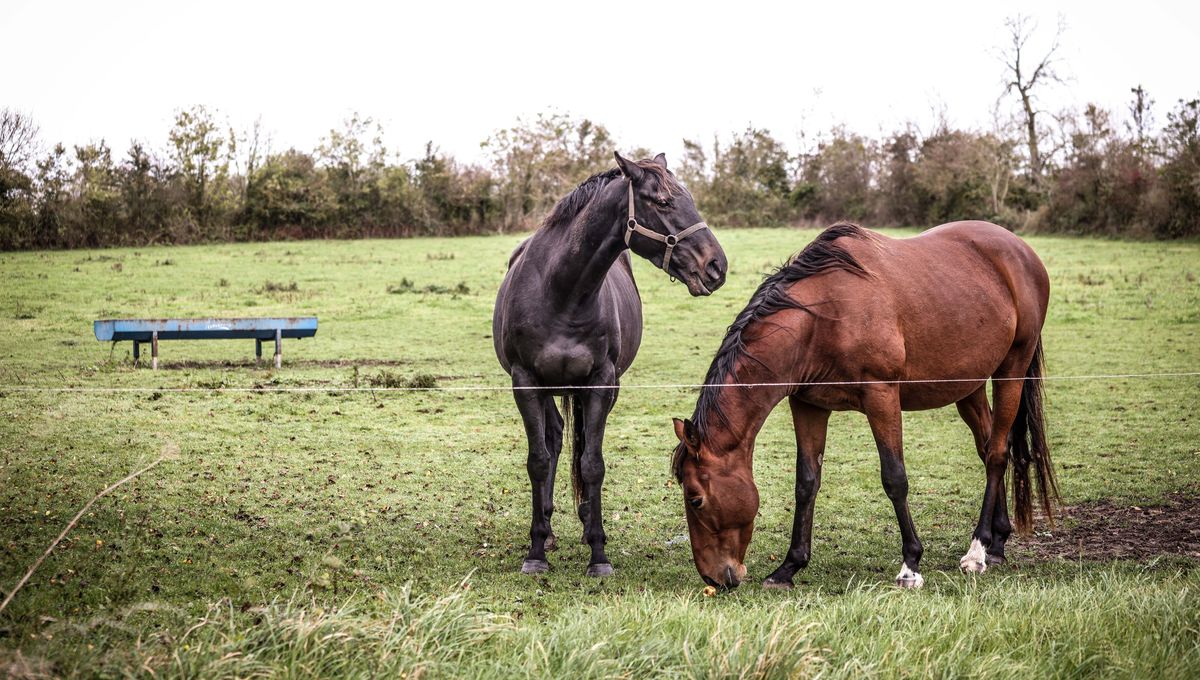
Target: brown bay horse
{"x":568,"y":322}
{"x":858,"y":321}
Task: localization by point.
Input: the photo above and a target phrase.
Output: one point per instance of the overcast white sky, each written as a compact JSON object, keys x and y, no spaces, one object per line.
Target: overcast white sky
{"x":652,"y":72}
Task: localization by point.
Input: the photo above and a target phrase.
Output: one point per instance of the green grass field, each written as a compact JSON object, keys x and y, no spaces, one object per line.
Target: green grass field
{"x":327,"y":533}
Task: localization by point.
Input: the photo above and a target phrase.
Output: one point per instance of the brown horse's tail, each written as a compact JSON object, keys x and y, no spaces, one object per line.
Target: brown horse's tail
{"x":573,"y":428}
{"x":1027,"y":444}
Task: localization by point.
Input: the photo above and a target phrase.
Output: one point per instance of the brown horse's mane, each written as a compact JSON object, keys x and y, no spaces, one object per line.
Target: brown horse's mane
{"x":573,"y":203}
{"x":822,"y":255}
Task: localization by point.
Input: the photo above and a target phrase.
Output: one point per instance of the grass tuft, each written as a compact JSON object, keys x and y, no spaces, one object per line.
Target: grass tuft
{"x":392,"y":380}
{"x":278,"y":287}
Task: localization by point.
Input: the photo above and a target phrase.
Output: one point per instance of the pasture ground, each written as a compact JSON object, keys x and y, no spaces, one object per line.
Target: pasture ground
{"x":327,"y":533}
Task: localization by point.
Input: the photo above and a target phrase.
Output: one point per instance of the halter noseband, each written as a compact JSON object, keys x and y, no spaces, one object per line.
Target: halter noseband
{"x":671,"y":240}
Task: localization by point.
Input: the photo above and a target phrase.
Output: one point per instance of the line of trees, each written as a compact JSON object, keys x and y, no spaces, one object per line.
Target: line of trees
{"x":1086,"y":171}
{"x":1098,"y":178}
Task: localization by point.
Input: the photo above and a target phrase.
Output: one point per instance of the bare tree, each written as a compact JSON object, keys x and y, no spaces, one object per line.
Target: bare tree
{"x":1024,"y":79}
{"x":1000,"y":157}
{"x":253,"y":143}
{"x":1143,"y":120}
{"x":18,"y":139}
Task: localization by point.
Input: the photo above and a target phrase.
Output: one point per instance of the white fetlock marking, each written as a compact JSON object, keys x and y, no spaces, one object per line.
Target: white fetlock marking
{"x":907,"y":578}
{"x":976,"y":558}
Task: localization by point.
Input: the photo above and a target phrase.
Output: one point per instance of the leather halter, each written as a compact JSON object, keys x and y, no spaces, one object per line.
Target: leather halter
{"x":670,"y":240}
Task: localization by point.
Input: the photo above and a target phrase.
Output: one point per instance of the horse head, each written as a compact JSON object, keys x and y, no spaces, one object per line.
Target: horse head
{"x":721,"y":502}
{"x":664,"y":226}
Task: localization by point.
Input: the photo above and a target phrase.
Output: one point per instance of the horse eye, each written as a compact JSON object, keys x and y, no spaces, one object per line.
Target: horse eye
{"x":696,"y":502}
{"x":662,"y":202}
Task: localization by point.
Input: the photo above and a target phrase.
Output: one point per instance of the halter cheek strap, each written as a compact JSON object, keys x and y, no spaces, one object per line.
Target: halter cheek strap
{"x":670,"y":240}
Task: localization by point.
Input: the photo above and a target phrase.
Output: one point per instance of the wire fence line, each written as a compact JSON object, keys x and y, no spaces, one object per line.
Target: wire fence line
{"x":646,"y":386}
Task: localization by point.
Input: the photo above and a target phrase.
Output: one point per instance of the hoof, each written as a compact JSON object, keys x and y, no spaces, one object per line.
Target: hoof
{"x":972,"y":566}
{"x":907,"y":578}
{"x":600,"y":570}
{"x":535,"y":567}
{"x":975,"y":561}
{"x":551,"y":542}
{"x":777,"y":585}
{"x":993,"y":560}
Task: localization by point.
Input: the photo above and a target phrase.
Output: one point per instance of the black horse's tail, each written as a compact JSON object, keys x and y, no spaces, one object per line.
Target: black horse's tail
{"x":1027,"y":444}
{"x":573,"y":428}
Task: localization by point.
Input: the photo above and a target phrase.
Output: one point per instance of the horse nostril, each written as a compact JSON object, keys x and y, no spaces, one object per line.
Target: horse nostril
{"x":714,"y":270}
{"x":731,"y":580}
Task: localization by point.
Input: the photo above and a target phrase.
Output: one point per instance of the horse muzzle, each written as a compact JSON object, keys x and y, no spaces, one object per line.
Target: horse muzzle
{"x":731,"y":577}
{"x":706,"y":282}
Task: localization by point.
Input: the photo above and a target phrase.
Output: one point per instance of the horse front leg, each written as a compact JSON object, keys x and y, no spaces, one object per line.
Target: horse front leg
{"x":810,"y":424}
{"x":532,"y":405}
{"x":595,"y":407}
{"x":882,"y":406}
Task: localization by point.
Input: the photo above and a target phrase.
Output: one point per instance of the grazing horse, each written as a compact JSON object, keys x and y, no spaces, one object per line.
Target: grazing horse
{"x":861,"y":322}
{"x":568,"y":321}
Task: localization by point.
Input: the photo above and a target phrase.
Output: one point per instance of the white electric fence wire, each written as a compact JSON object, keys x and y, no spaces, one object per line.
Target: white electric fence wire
{"x":650,"y":386}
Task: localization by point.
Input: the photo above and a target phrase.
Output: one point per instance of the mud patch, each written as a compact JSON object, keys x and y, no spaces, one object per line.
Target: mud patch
{"x":1106,"y":531}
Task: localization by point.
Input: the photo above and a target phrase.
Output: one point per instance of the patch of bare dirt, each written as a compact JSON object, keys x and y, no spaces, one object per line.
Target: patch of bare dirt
{"x":1106,"y":531}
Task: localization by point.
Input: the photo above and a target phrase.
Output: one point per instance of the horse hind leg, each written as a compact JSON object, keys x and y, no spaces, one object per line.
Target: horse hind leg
{"x":1006,"y":398}
{"x":977,"y":414}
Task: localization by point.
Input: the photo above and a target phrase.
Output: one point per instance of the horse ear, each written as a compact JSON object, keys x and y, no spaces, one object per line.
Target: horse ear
{"x":628,"y":168}
{"x":680,"y":429}
{"x":688,"y":433}
{"x":692,"y":433}
{"x":661,"y":160}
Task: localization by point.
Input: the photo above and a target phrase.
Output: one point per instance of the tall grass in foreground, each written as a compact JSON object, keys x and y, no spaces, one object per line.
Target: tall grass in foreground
{"x":396,"y":635}
{"x":1107,"y":623}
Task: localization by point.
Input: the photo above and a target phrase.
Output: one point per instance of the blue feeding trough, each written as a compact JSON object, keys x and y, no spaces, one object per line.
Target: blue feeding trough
{"x":153,"y":330}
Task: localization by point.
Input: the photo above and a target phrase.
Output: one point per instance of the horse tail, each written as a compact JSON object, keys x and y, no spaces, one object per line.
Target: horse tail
{"x":1027,"y":444}
{"x":573,"y":427}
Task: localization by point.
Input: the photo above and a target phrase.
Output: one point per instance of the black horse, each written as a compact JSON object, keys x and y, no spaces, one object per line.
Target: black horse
{"x":568,"y":321}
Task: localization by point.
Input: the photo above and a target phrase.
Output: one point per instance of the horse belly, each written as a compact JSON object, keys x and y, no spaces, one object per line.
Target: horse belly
{"x":956,"y":355}
{"x":924,"y":397}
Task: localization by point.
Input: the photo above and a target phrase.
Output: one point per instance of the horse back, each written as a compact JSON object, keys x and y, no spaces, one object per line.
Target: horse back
{"x":949,"y":304}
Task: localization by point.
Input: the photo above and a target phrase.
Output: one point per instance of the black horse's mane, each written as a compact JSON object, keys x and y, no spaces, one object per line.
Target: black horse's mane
{"x":822,"y":255}
{"x":573,"y":203}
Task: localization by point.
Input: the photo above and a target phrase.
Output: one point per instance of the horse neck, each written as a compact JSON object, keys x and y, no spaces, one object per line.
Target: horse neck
{"x":591,"y":243}
{"x":745,"y":403}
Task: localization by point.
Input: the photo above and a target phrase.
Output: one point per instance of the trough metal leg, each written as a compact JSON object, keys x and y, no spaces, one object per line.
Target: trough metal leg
{"x":278,"y":348}
{"x":137,"y":352}
{"x":257,"y":351}
{"x":154,"y":350}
